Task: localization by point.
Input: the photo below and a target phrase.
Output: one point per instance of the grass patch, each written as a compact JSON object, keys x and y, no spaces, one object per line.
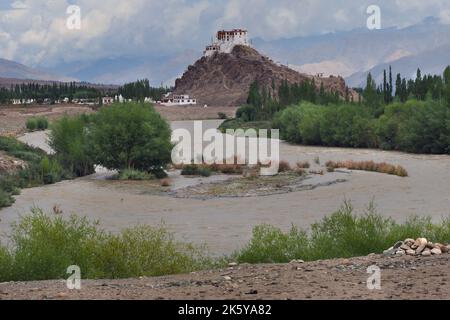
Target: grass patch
{"x":235,"y":124}
{"x":196,"y":170}
{"x":135,"y":175}
{"x":369,"y":166}
{"x":342,"y":235}
{"x":37,"y":123}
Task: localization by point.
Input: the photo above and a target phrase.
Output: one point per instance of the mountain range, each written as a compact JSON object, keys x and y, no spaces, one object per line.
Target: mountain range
{"x":350,"y":54}
{"x":14,"y":70}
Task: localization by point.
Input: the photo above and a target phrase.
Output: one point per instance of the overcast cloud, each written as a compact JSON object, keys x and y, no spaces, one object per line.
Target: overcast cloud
{"x":34,"y":32}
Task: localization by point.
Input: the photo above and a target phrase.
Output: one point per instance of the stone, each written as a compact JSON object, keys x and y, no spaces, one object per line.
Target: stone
{"x":409,"y":242}
{"x":445,"y":249}
{"x":421,"y":248}
{"x":411,"y":252}
{"x":436,"y":251}
{"x":426,"y":253}
{"x":421,"y":241}
{"x":405,"y":247}
{"x":233,"y":264}
{"x":389,"y":252}
{"x":430,"y":245}
{"x":400,"y":253}
{"x":297,"y":261}
{"x":227,"y":278}
{"x":398,"y":244}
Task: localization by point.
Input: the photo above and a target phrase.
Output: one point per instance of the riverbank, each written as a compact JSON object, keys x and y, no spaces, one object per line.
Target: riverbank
{"x":409,"y":278}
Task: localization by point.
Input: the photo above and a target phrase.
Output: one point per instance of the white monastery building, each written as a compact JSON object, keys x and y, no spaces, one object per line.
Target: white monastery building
{"x":226,"y":41}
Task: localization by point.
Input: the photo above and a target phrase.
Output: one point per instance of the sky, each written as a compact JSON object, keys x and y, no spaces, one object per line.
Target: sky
{"x":34,"y":32}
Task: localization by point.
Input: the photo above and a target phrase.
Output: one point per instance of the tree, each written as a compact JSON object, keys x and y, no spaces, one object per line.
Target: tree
{"x":130,"y":136}
{"x":68,"y":138}
{"x":370,"y":93}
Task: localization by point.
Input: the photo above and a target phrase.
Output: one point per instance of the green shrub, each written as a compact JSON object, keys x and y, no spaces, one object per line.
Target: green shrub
{"x":129,"y":174}
{"x":222,"y":116}
{"x":68,"y":138}
{"x":42,"y":123}
{"x":40,"y":169}
{"x":5,"y":265}
{"x":42,"y":247}
{"x":343,"y":234}
{"x":51,"y":170}
{"x":247,"y":113}
{"x":37,"y":123}
{"x":6,"y":199}
{"x":31,"y":124}
{"x":195,"y":170}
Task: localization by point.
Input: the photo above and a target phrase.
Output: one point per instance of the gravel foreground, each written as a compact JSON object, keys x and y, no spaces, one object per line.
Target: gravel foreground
{"x":424,"y":278}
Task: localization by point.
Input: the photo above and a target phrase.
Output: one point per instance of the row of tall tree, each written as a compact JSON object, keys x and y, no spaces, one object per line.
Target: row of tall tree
{"x":55,"y":91}
{"x":428,"y":87}
{"x":141,"y":89}
{"x":268,"y":101}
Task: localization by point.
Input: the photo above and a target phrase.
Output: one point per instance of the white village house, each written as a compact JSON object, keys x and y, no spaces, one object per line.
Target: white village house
{"x":170,"y":99}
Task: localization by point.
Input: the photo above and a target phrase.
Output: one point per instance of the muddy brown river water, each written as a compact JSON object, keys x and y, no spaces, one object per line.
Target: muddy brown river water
{"x":225,"y":224}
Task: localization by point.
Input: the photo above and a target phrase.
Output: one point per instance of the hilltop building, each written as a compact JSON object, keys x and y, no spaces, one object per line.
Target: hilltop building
{"x":226,"y":40}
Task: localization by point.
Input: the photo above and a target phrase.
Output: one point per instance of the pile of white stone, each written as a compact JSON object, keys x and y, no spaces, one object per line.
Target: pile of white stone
{"x":419,"y":247}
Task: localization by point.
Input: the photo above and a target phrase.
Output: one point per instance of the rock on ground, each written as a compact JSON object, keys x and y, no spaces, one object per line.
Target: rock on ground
{"x":401,"y":278}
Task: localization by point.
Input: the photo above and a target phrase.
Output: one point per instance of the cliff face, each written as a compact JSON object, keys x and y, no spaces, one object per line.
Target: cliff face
{"x":225,"y":79}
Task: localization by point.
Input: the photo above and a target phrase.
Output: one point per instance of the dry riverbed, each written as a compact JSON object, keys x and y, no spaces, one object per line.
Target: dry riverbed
{"x":422,"y":278}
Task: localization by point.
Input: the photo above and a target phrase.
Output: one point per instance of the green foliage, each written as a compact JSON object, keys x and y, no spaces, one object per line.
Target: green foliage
{"x":6,"y":198}
{"x":39,"y":170}
{"x":42,"y":247}
{"x":37,"y":123}
{"x":235,"y":124}
{"x":130,"y":136}
{"x":51,"y":170}
{"x":141,"y":89}
{"x":31,"y":124}
{"x":343,"y":234}
{"x":42,"y":123}
{"x":195,"y":170}
{"x":68,"y":137}
{"x":52,"y":92}
{"x":130,"y":174}
{"x":222,"y":116}
{"x":247,"y":113}
{"x":414,"y":126}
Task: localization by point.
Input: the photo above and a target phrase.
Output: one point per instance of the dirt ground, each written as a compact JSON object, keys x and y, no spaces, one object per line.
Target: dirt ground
{"x":176,"y":113}
{"x":409,"y":278}
{"x":13,"y":118}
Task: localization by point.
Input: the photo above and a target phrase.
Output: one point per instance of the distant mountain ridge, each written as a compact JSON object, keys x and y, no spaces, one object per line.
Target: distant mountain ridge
{"x":14,"y":70}
{"x":352,"y":54}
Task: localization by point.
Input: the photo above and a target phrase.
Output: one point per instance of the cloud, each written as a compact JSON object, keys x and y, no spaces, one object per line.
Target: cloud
{"x":19,"y":5}
{"x":114,"y":28}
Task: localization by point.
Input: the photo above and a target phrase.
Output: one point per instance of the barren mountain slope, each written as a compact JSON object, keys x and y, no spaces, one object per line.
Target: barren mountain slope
{"x":224,"y":79}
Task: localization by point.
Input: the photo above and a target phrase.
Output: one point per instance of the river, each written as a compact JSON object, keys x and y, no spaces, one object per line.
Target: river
{"x":225,"y":225}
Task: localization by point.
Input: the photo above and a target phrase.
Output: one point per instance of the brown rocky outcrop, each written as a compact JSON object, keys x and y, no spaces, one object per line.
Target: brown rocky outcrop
{"x":225,"y":79}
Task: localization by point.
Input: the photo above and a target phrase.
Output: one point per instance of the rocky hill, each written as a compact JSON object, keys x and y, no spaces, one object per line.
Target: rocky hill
{"x":225,"y":79}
